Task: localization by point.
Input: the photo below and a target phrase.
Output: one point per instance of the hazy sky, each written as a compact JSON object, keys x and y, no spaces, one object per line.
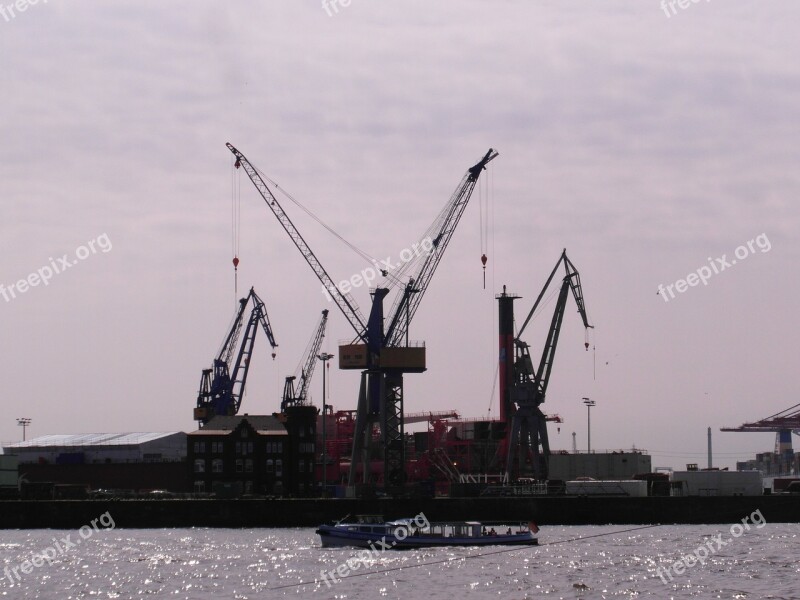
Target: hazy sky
{"x":646,"y":145}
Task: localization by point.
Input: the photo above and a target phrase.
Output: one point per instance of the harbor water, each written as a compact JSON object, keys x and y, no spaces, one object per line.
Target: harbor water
{"x":695,"y":561}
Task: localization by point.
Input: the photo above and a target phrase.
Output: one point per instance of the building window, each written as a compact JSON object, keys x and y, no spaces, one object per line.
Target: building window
{"x":239,"y":465}
{"x":199,"y":447}
{"x":216,"y":447}
{"x":238,"y":447}
{"x":249,"y":447}
{"x":301,"y":466}
{"x":216,"y":465}
{"x":274,"y":447}
{"x":248,"y":465}
{"x":248,"y":487}
{"x":199,"y":487}
{"x":279,"y":468}
{"x":270,"y":466}
{"x":199,"y":466}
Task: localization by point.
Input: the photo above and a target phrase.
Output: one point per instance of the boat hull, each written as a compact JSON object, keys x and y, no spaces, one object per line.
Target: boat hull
{"x":333,"y":537}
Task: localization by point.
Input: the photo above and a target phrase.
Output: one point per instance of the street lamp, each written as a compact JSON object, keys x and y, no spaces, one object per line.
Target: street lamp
{"x":324,"y":357}
{"x":23,"y":422}
{"x":589,"y":404}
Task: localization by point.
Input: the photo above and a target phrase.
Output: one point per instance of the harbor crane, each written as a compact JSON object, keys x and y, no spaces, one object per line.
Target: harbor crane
{"x":382,"y":354}
{"x":783,"y":424}
{"x":222,"y":386}
{"x":292,"y":397}
{"x":523,"y":388}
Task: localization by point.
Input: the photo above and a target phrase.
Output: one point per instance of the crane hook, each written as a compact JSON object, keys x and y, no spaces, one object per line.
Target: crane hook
{"x":483,"y":261}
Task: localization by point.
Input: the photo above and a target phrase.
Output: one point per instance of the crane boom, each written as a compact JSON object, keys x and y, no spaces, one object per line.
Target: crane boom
{"x":258,"y":316}
{"x":406,"y":303}
{"x":345,"y":302}
{"x":575,"y":284}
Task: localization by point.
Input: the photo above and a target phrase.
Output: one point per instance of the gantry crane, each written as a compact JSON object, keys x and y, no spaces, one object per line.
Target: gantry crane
{"x":292,"y":397}
{"x":383,"y":355}
{"x":783,"y":424}
{"x":525,"y":388}
{"x":222,"y":386}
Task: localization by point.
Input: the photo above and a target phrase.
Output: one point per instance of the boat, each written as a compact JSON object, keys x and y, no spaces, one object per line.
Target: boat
{"x":370,"y":531}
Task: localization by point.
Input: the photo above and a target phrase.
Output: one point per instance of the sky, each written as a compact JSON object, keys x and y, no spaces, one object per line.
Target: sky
{"x":651,"y":143}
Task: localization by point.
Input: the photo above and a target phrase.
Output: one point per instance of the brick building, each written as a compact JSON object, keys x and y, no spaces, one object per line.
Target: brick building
{"x":255,"y":454}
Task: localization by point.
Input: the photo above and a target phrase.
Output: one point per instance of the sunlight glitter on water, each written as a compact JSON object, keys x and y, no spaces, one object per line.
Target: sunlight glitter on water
{"x":199,"y":564}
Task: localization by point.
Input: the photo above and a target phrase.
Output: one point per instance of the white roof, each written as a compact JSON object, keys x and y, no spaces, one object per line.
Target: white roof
{"x":93,"y":439}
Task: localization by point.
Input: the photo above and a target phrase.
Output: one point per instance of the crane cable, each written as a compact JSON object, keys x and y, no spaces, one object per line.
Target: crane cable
{"x":236,"y":223}
{"x":483,"y":206}
{"x":297,"y":203}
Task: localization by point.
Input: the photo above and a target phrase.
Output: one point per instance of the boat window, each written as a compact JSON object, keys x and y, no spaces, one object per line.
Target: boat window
{"x":365,"y":529}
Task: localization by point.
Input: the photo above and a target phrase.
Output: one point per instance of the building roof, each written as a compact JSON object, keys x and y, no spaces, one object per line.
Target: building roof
{"x":223,"y":424}
{"x":93,"y":439}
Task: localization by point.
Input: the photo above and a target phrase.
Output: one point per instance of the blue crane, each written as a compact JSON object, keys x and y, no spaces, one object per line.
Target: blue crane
{"x":222,"y":386}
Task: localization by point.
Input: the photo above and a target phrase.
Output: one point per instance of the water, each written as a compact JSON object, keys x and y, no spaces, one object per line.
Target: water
{"x":198,"y":564}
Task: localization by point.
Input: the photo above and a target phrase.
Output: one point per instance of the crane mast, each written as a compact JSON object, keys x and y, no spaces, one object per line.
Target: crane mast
{"x":222,"y":387}
{"x":381,"y":357}
{"x":298,"y":398}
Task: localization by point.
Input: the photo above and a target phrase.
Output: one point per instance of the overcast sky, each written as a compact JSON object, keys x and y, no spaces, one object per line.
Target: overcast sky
{"x":647,"y":145}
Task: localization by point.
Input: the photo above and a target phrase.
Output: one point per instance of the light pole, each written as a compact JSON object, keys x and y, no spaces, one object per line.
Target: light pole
{"x":589,"y":404}
{"x":23,"y":422}
{"x":324,"y":357}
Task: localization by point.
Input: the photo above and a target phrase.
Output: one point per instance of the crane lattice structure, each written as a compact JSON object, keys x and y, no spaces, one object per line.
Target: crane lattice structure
{"x":383,"y":355}
{"x":297,"y":397}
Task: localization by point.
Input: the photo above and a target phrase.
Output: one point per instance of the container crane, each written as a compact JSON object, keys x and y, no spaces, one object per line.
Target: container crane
{"x":783,"y":424}
{"x":524,"y":388}
{"x":222,"y":387}
{"x":298,"y":397}
{"x":382,"y":355}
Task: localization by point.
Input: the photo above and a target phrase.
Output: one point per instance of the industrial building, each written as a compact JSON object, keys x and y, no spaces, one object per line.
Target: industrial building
{"x":9,"y":472}
{"x":133,"y":462}
{"x":94,"y":448}
{"x":617,"y":465}
{"x":718,"y":483}
{"x":255,"y":454}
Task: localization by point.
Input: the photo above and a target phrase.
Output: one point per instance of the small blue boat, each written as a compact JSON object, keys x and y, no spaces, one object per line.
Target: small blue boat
{"x":369,"y":531}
